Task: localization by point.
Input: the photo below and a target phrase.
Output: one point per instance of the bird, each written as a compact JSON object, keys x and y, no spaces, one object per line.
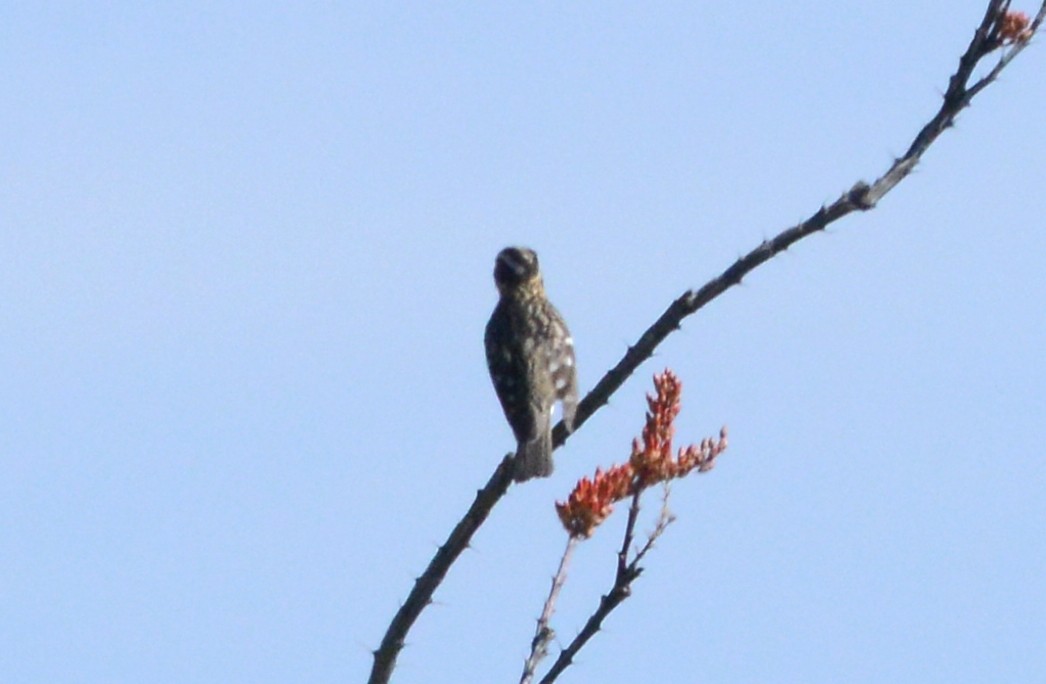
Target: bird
{"x":530,"y":356}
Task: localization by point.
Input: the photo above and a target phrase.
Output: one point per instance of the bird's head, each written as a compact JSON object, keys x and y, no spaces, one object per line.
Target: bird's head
{"x":516,"y":268}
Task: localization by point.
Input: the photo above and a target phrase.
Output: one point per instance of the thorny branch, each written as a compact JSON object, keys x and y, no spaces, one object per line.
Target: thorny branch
{"x":628,"y":571}
{"x":653,"y":461}
{"x":425,"y":585}
{"x":544,"y":634}
{"x":997,"y":29}
{"x":860,"y":197}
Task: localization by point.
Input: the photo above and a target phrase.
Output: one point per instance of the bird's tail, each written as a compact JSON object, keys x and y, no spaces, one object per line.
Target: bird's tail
{"x":534,"y":457}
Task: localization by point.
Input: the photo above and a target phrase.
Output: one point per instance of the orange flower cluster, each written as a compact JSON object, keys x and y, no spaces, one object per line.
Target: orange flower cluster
{"x":651,"y":462}
{"x":1014,"y":28}
{"x":592,"y":501}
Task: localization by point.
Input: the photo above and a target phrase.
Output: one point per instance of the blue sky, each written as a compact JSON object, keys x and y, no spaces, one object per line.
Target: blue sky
{"x":247,"y":260}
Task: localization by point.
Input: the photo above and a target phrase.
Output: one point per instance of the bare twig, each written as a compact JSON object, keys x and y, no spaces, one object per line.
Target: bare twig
{"x":544,"y":634}
{"x":664,"y":519}
{"x":860,"y":197}
{"x":630,"y":531}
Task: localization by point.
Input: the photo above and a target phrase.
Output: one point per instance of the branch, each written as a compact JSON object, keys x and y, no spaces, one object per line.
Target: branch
{"x":544,"y":634}
{"x":664,"y":519}
{"x":861,"y":197}
{"x":592,"y":500}
{"x":425,"y":586}
{"x":627,"y":573}
{"x":623,"y":578}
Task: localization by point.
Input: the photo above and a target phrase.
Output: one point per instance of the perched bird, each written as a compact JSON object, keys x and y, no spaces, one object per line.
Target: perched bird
{"x":530,"y":355}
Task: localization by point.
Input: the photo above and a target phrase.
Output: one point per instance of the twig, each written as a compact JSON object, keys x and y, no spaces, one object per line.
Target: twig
{"x":860,"y":197}
{"x":623,"y":578}
{"x":630,"y":530}
{"x":664,"y":519}
{"x":628,"y":571}
{"x":544,"y":634}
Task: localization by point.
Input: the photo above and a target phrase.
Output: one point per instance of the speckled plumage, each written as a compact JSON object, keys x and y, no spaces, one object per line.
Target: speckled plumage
{"x":530,"y":355}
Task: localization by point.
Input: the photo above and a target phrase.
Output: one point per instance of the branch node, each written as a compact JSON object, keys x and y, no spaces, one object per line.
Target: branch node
{"x":860,"y":196}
